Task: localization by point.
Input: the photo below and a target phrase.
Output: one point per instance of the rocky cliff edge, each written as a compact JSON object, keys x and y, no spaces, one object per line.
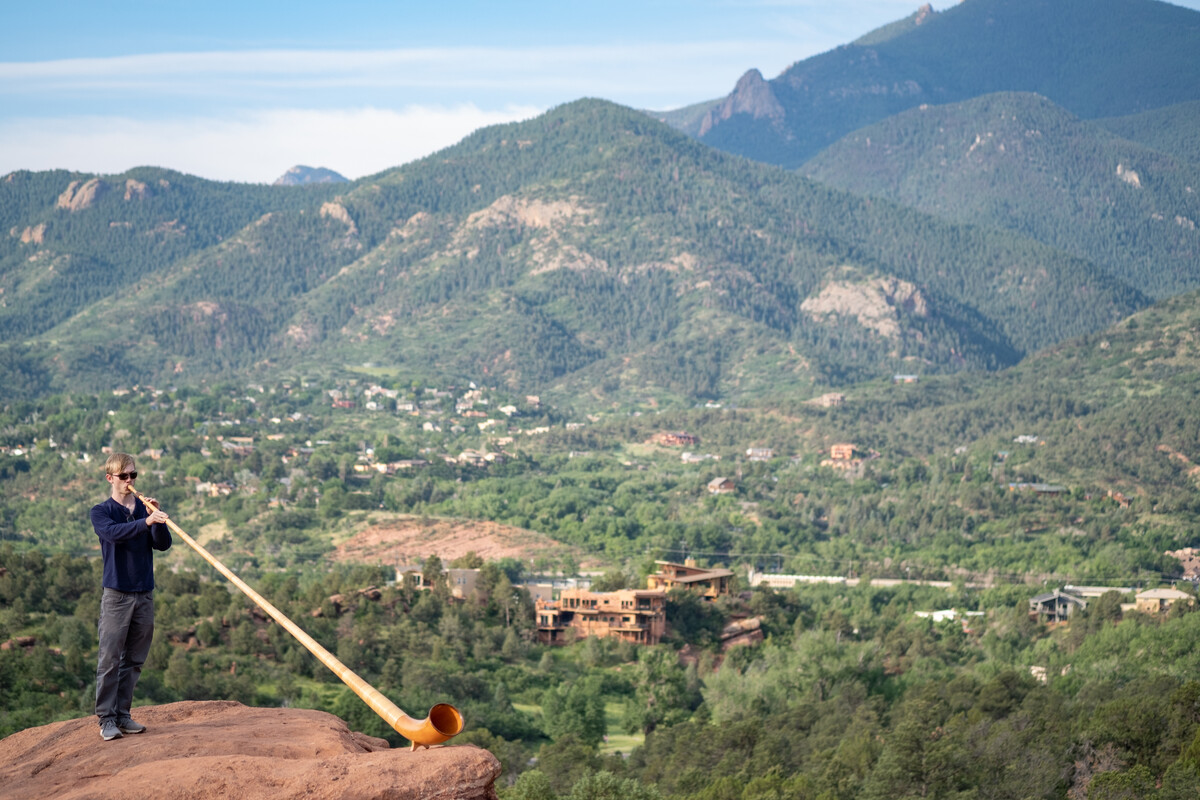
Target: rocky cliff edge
{"x":222,"y":749}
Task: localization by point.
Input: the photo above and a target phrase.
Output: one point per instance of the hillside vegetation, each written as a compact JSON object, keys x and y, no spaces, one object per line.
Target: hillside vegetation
{"x":851,"y":694}
{"x":1019,"y":162}
{"x":1172,"y":129}
{"x":590,"y":249}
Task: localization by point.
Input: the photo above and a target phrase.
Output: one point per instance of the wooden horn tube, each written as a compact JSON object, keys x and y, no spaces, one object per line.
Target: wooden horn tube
{"x":444,"y":720}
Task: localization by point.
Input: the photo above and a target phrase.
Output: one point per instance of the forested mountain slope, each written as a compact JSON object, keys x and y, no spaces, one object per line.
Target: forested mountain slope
{"x":69,"y":239}
{"x":1094,"y":57}
{"x":1020,"y":162}
{"x":1113,"y":409}
{"x":1173,"y":129}
{"x":591,"y":244}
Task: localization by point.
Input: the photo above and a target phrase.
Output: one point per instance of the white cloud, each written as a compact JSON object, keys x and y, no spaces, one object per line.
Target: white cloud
{"x":623,"y":67}
{"x":255,"y":147}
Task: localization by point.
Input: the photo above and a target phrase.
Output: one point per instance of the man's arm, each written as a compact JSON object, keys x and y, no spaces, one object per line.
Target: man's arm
{"x":111,"y":530}
{"x":160,"y":534}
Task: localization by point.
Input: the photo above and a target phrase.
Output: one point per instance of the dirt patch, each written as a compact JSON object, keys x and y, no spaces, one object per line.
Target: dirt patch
{"x":409,"y":540}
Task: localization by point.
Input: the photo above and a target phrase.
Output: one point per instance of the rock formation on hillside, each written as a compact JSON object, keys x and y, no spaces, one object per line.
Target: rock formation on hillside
{"x":223,"y":749}
{"x":81,"y":194}
{"x":752,"y":96}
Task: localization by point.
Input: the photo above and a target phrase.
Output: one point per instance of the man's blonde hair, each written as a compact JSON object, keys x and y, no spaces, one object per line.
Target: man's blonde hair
{"x":118,"y":463}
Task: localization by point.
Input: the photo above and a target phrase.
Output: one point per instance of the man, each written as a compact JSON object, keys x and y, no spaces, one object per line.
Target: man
{"x":128,"y":536}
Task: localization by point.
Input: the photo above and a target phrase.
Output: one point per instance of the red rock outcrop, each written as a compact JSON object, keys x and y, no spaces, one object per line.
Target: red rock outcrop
{"x":81,"y":194}
{"x":223,"y":749}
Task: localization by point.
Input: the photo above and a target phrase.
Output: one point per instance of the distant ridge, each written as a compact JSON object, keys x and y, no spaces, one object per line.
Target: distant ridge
{"x":300,"y":175}
{"x":1096,"y":58}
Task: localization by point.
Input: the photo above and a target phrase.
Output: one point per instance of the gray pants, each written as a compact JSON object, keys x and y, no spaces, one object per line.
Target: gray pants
{"x":126,"y":628}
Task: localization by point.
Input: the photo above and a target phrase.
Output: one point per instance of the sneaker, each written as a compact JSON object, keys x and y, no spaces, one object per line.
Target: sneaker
{"x":129,"y":726}
{"x":109,"y":731}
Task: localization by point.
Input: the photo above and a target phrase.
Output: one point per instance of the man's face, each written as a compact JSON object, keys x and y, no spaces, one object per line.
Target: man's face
{"x":122,"y":482}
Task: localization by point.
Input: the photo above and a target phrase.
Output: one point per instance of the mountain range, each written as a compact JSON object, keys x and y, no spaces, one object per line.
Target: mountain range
{"x":596,"y":250}
{"x":1096,"y":58}
{"x":591,"y":246}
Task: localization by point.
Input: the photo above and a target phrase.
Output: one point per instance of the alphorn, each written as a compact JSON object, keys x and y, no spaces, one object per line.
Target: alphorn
{"x":444,"y":720}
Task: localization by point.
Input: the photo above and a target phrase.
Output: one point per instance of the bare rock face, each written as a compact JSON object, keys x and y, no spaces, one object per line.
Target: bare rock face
{"x":875,"y":303}
{"x":81,"y":194}
{"x":199,"y":750}
{"x":136,"y":190}
{"x":33,"y":234}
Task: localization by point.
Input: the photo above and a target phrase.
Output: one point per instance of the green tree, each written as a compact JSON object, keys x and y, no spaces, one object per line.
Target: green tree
{"x":575,"y":710}
{"x":661,"y":694}
{"x":530,"y":785}
{"x":604,"y":785}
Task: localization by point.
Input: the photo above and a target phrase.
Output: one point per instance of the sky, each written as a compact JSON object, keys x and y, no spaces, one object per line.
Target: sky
{"x":241,"y":91}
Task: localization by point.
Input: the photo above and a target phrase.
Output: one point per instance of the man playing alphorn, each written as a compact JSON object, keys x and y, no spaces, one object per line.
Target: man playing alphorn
{"x":128,"y":536}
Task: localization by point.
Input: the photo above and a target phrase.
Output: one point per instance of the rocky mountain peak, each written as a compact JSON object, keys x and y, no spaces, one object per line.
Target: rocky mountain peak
{"x":752,"y":95}
{"x":300,"y":175}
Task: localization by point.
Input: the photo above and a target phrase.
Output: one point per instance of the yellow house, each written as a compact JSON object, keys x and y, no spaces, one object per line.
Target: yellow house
{"x":710,"y":583}
{"x":1154,"y":601}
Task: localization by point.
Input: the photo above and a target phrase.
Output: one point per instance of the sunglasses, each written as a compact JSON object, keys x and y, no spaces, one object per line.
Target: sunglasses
{"x":125,"y":476}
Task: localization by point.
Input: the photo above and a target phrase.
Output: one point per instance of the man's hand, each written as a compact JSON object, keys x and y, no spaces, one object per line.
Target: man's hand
{"x":156,"y":517}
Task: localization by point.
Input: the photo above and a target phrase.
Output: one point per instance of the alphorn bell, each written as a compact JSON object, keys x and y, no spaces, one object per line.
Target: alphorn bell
{"x":444,"y":720}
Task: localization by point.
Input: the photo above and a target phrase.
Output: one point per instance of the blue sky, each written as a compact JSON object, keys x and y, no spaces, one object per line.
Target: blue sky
{"x":244,"y":90}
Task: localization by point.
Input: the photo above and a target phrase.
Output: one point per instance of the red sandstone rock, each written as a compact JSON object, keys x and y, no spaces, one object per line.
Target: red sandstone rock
{"x":222,"y":749}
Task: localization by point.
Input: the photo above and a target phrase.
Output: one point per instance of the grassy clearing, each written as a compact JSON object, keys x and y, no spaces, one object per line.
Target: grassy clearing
{"x":529,"y":708}
{"x":616,"y":739}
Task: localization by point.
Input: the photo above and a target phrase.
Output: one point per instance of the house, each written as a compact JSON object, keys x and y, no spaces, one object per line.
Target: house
{"x":675,"y":438}
{"x":462,"y":581}
{"x":830,"y":400}
{"x":1155,"y":601}
{"x":777,"y":581}
{"x":905,"y":378}
{"x":842,"y":452}
{"x":710,"y":583}
{"x":1037,"y":488}
{"x":759,"y":453}
{"x":1056,"y":606}
{"x":721,"y":486}
{"x":1095,"y":591}
{"x":411,"y":574}
{"x":632,"y":615}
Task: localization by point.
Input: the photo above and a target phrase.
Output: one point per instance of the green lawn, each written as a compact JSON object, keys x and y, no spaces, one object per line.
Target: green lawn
{"x":618,"y":741}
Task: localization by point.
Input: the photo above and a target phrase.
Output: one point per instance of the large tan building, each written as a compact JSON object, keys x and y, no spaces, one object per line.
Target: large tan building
{"x":1154,"y":601}
{"x":634,"y":615}
{"x":710,"y":583}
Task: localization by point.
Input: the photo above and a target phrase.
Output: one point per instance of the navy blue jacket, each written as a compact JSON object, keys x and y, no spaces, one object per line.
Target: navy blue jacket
{"x":125,"y":545}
